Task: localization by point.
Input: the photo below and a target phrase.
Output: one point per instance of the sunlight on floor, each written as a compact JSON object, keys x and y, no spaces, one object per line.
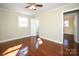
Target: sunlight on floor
{"x":12,"y":51}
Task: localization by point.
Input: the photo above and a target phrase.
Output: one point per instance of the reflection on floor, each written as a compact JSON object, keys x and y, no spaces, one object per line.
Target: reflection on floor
{"x":69,"y":45}
{"x":23,"y":51}
{"x":30,"y":47}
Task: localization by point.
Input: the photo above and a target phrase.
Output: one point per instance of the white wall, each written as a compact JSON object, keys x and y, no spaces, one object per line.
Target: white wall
{"x":9,"y":25}
{"x":51,"y":22}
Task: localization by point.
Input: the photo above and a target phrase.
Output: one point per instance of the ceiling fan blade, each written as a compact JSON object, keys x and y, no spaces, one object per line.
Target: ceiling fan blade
{"x":39,"y":5}
{"x":27,"y":6}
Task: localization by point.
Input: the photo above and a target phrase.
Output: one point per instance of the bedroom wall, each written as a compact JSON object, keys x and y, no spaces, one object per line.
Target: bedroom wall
{"x":51,"y":22}
{"x":9,"y":28}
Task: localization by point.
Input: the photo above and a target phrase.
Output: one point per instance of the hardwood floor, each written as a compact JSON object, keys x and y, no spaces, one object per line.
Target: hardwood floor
{"x":70,"y":48}
{"x":77,"y":49}
{"x":47,"y":48}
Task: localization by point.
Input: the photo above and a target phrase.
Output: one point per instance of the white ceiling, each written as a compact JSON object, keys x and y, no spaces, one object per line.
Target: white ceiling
{"x":21,"y":7}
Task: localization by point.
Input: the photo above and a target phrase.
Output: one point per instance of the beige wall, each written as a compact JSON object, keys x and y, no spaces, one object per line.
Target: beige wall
{"x":51,"y":22}
{"x":9,"y":25}
{"x":70,"y":28}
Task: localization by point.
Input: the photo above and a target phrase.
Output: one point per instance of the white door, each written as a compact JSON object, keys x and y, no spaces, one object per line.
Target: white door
{"x":34,"y":26}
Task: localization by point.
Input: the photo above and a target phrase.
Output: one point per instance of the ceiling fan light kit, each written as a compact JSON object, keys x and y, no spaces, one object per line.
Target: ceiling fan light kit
{"x":33,"y":6}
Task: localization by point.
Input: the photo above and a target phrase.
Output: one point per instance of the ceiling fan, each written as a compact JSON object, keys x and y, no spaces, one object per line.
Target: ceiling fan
{"x":33,"y":6}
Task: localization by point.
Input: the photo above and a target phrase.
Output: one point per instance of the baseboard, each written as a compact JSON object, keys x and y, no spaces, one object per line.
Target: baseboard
{"x":29,"y":36}
{"x":51,"y":40}
{"x":13,"y":38}
{"x":76,"y":41}
{"x":69,"y":33}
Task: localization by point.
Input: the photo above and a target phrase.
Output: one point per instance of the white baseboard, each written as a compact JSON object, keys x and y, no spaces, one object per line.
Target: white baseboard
{"x":29,"y":36}
{"x":51,"y":40}
{"x":6,"y":40}
{"x":76,"y":41}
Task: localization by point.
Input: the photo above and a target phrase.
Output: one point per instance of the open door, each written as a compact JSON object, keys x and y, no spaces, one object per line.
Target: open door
{"x":70,"y":33}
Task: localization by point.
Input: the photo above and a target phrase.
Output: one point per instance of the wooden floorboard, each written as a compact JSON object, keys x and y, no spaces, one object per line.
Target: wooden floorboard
{"x":71,"y":49}
{"x":47,"y":48}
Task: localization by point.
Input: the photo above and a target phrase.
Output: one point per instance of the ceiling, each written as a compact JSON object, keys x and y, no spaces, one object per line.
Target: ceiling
{"x":20,"y":7}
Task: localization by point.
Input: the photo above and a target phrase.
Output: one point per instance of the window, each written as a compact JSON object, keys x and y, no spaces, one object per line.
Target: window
{"x":66,"y":23}
{"x":22,"y":21}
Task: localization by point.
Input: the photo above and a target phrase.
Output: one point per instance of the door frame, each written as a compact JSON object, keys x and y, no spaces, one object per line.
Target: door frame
{"x":75,"y":26}
{"x":74,"y":13}
{"x":36,"y":25}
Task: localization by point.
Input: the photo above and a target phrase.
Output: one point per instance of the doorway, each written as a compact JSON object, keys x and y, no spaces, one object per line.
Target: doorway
{"x":34,"y":29}
{"x":70,"y":33}
{"x":34,"y":26}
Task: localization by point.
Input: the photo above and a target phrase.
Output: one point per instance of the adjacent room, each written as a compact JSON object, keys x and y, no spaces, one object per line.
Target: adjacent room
{"x":39,"y":29}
